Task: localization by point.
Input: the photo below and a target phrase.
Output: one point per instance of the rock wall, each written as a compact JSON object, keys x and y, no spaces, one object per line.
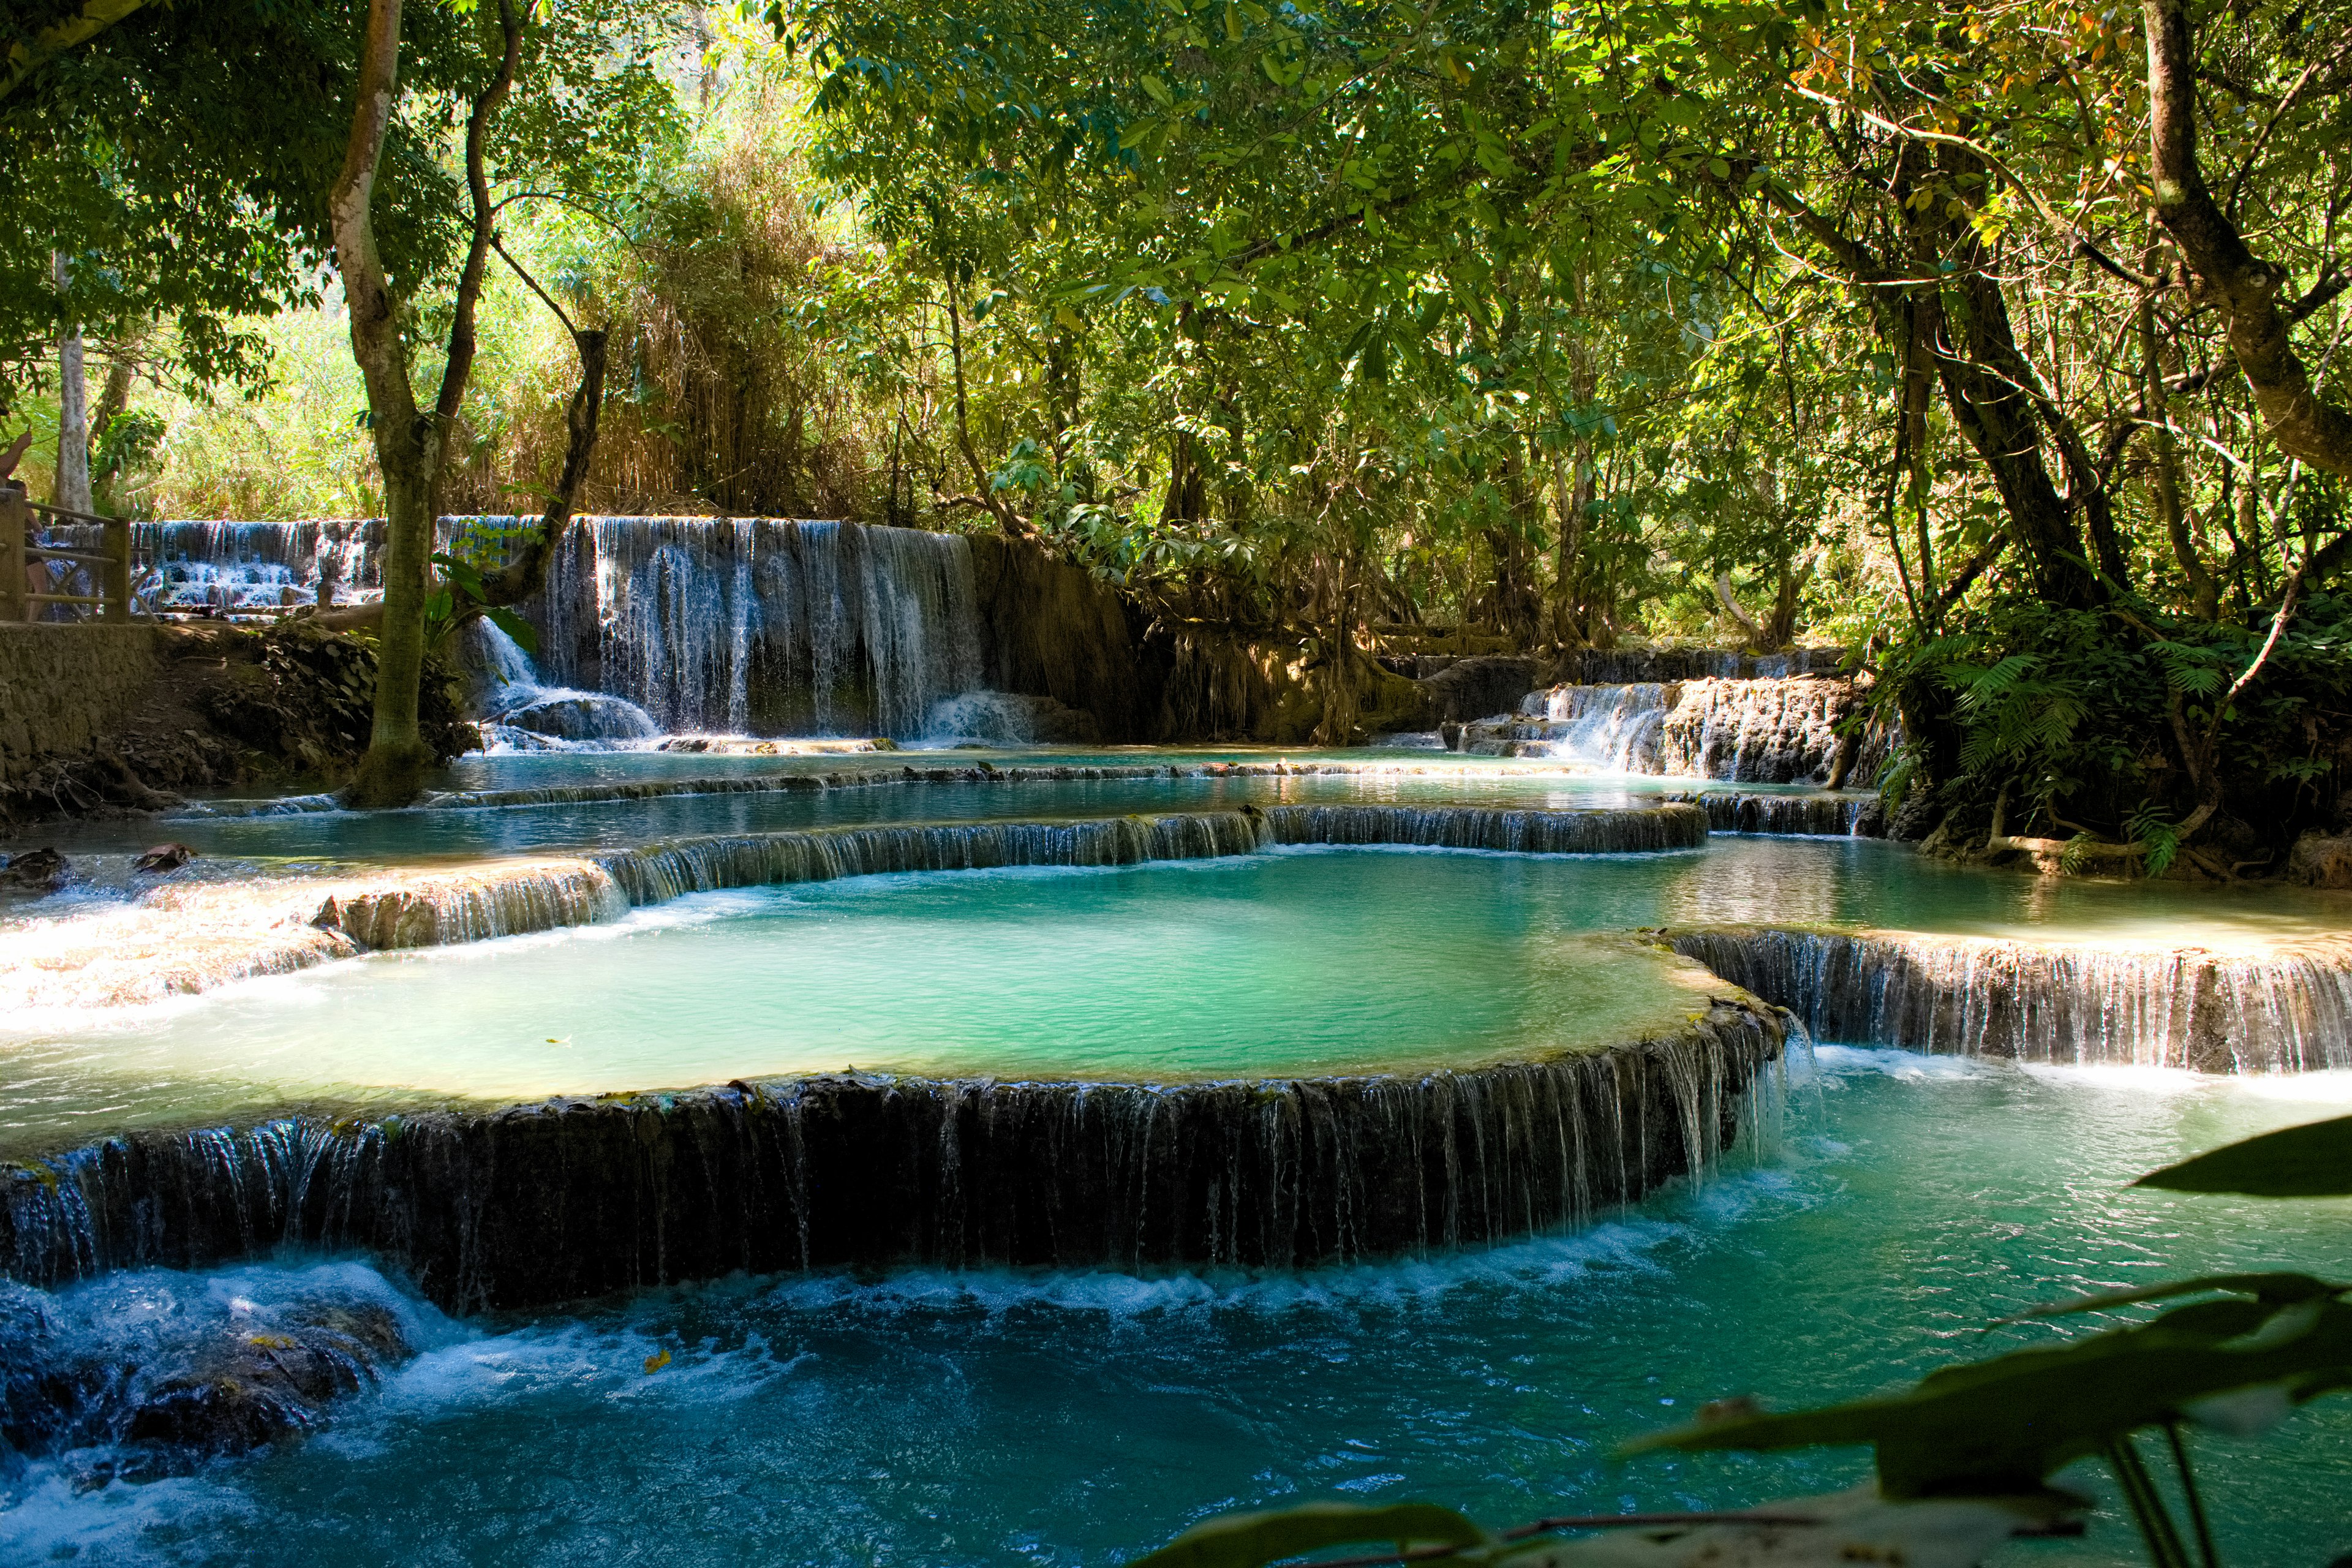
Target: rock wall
{"x":1051,"y":629}
{"x":64,"y":688}
{"x":574,"y":1198}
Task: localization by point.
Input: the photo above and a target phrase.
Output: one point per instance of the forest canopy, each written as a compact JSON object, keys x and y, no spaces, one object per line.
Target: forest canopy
{"x":1995,"y":342}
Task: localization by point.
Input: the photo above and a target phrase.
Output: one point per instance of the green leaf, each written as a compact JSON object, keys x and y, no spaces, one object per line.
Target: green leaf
{"x":1251,"y":1540}
{"x":2313,"y":1160}
{"x":525,"y":635}
{"x":2000,"y":1426}
{"x":1159,"y":90}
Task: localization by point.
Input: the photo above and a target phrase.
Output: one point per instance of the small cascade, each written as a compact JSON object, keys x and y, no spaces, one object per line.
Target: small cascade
{"x":1615,"y":729}
{"x":1639,"y":830}
{"x":764,"y":626}
{"x":2289,"y":1012}
{"x":1818,"y":815}
{"x":574,"y":1198}
{"x":184,"y":940}
{"x":511,"y":897}
{"x":1756,"y":731}
{"x":221,"y":568}
{"x":1765,"y":728}
{"x":522,"y":714}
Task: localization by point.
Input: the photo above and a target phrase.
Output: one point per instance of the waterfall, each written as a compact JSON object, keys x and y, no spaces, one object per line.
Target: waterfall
{"x":1755,"y":732}
{"x":571,"y":1198}
{"x":1598,"y":832}
{"x":736,"y":625}
{"x":764,"y":626}
{"x":2287,"y":1012}
{"x":1820,"y":816}
{"x":1614,"y":727}
{"x":228,"y":566}
{"x":522,"y":714}
{"x":513,"y":898}
{"x":181,"y":940}
{"x":1765,"y":728}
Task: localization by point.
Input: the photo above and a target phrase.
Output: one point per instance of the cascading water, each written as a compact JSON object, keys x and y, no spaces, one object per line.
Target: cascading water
{"x":761,"y":625}
{"x":1767,"y":729}
{"x":1612,"y":728}
{"x":225,"y":567}
{"x":574,"y":1198}
{"x":522,"y":714}
{"x":764,"y":626}
{"x":2284,"y":1012}
{"x":1820,"y":816}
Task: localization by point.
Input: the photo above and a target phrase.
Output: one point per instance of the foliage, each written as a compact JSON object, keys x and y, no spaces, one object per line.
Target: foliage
{"x":2076,"y":718}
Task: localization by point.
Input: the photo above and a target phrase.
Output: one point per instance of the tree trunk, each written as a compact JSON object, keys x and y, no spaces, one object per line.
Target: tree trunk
{"x":2222,"y":269}
{"x":411,"y":443}
{"x":70,"y":487}
{"x":2204,"y":593}
{"x":406,"y":445}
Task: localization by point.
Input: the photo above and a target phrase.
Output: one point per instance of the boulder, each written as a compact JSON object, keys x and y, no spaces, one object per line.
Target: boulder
{"x":2321,"y":860}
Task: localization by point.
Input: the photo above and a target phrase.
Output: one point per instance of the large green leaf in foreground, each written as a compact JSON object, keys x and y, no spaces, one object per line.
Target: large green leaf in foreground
{"x":1248,"y":1540}
{"x":2312,"y":1161}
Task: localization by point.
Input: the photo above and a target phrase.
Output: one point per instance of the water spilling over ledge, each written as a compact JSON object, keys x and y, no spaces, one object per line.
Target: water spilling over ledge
{"x":500,"y":902}
{"x":1817,"y":815}
{"x":575,"y":1198}
{"x":2289,"y":1011}
{"x":1780,"y":729}
{"x":182,"y":941}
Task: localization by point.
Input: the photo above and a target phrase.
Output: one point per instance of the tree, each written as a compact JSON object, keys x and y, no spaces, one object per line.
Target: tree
{"x":561,"y":141}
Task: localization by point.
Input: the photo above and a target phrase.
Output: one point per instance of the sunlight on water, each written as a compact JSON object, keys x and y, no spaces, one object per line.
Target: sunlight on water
{"x":1075,"y":1417}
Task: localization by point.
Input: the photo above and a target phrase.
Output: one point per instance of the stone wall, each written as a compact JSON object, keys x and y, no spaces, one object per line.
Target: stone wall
{"x":63,"y":687}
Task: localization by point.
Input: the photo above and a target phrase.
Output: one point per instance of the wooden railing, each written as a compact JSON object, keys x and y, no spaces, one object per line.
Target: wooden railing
{"x":19,"y":552}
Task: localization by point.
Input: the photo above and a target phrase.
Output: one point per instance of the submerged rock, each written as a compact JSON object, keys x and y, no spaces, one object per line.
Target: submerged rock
{"x":151,"y":1373}
{"x":163,"y":857}
{"x":582,"y":716}
{"x":44,"y":869}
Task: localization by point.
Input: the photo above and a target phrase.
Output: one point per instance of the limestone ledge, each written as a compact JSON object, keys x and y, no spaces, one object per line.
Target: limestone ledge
{"x":571,"y":1198}
{"x":2283,"y":1008}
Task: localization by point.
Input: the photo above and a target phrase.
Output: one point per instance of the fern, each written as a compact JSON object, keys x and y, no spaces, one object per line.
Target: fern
{"x":2150,"y":827}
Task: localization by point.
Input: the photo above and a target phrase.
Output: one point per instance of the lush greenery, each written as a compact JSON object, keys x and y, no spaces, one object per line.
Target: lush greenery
{"x":1993,"y":341}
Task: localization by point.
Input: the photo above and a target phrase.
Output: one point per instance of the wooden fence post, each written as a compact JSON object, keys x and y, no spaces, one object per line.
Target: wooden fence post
{"x":117,"y":590}
{"x":14,"y":516}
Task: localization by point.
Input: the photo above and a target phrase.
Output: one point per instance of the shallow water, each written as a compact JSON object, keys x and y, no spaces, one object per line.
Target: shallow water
{"x":1293,"y":960}
{"x":460,"y":831}
{"x":1077,"y":1418}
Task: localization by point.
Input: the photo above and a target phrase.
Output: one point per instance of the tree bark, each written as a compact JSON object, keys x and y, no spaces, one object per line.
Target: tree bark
{"x":411,"y":444}
{"x":69,"y":486}
{"x":2204,"y":592}
{"x":2221,"y":270}
{"x":524,"y":576}
{"x":406,"y":444}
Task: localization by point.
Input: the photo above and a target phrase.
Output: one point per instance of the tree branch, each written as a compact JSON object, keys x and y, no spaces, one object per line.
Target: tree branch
{"x":2241,"y":285}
